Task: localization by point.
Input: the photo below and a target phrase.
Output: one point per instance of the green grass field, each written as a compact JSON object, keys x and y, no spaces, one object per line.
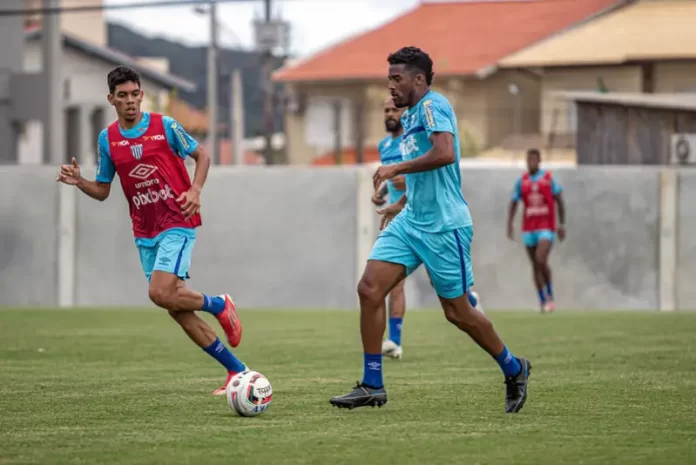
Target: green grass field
{"x":127,"y":387}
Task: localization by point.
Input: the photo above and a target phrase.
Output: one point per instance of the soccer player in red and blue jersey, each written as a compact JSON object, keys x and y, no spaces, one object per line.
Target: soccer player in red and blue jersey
{"x":540,"y":193}
{"x":147,"y":151}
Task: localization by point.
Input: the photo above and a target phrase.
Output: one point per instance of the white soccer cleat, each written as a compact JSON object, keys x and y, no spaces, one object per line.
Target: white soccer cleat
{"x":391,"y":350}
{"x":478,"y":301}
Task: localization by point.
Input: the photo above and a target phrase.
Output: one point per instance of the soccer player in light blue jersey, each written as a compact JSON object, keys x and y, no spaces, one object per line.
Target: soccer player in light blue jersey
{"x":430,"y":225}
{"x":390,"y":193}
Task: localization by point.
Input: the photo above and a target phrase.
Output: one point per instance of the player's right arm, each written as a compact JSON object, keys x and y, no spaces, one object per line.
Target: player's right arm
{"x":512,"y":209}
{"x":100,"y":188}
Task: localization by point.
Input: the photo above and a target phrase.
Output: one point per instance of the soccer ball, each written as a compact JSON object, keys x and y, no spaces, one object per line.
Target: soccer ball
{"x":249,"y":394}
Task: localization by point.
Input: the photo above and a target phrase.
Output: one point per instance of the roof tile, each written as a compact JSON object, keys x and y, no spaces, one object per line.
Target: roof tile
{"x":462,"y":37}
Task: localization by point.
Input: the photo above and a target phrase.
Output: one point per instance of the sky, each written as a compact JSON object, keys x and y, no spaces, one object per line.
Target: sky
{"x":315,"y":24}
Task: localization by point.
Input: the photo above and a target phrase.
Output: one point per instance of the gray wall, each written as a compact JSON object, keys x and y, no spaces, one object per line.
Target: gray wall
{"x":288,"y":237}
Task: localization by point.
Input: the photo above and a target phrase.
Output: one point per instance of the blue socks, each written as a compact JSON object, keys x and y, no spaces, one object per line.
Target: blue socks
{"x":213,"y":305}
{"x":508,"y":363}
{"x":542,"y":296}
{"x":395,"y":330}
{"x":222,"y":354}
{"x":373,"y":371}
{"x":472,"y":299}
{"x":549,"y":290}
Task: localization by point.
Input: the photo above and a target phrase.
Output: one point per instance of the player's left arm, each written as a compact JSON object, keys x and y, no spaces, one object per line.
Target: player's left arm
{"x":558,"y":198}
{"x":186,"y":146}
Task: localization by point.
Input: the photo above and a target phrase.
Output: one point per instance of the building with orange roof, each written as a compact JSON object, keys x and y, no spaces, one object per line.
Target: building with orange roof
{"x":466,"y":40}
{"x":646,"y":47}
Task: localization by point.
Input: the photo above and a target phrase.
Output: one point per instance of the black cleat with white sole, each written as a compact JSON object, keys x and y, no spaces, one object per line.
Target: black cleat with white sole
{"x":361,"y":396}
{"x":516,"y":388}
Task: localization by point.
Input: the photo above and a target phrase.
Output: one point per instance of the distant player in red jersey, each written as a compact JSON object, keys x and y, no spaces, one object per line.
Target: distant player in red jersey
{"x":540,"y":193}
{"x":147,"y":151}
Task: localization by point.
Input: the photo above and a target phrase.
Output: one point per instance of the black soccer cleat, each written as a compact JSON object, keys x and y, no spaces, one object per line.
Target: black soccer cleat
{"x":361,"y":396}
{"x":516,"y":388}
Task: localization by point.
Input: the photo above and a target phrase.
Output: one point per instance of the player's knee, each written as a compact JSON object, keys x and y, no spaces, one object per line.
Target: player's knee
{"x":369,"y":292}
{"x":540,"y":260}
{"x":162,"y":297}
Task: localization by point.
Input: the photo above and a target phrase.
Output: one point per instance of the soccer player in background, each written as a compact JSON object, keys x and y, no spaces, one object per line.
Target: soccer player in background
{"x":434,"y":229}
{"x":390,"y":192}
{"x":147,"y":151}
{"x":539,"y":193}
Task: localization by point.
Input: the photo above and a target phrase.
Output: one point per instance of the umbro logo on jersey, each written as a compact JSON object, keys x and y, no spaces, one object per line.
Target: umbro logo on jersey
{"x":142,"y":171}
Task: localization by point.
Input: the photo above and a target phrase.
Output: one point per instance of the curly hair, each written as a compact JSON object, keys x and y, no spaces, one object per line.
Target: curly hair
{"x":120,"y":75}
{"x":415,"y":59}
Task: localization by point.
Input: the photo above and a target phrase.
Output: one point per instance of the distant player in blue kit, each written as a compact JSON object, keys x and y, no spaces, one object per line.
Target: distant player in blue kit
{"x":390,"y":193}
{"x":433,"y":227}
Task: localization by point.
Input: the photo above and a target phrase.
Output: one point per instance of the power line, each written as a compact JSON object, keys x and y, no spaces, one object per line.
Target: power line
{"x":126,"y":6}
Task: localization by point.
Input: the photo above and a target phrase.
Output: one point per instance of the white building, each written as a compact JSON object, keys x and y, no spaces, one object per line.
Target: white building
{"x":84,"y":69}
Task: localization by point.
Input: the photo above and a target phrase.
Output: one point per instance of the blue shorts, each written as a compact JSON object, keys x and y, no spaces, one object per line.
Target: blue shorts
{"x":532,"y":238}
{"x":169,"y":252}
{"x":446,"y":255}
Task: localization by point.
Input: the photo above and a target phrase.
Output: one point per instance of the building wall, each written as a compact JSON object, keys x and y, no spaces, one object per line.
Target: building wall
{"x":307,"y":250}
{"x":85,"y":85}
{"x":558,"y":116}
{"x":89,"y":25}
{"x":675,"y":76}
{"x":485,"y":111}
{"x":625,"y":135}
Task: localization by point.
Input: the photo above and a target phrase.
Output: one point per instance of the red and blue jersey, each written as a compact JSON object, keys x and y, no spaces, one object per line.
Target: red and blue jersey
{"x":149,"y":161}
{"x":537,"y":193}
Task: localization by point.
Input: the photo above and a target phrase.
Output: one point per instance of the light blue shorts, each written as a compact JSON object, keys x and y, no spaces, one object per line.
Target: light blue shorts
{"x":446,"y":255}
{"x":532,"y":238}
{"x":169,"y":252}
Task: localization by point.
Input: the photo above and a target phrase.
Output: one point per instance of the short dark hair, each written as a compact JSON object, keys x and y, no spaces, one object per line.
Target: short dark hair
{"x":414,"y":59}
{"x":534,"y":152}
{"x":120,"y":75}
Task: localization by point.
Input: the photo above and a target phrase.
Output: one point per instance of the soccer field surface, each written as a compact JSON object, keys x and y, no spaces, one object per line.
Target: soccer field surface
{"x":128,"y":387}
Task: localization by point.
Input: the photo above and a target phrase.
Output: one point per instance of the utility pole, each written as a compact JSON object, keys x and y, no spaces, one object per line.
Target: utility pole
{"x":213,"y":144}
{"x":268,"y":116}
{"x":54,"y":122}
{"x":237,"y":116}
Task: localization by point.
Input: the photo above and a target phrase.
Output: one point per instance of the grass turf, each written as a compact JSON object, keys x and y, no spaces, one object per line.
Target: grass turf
{"x":128,"y":387}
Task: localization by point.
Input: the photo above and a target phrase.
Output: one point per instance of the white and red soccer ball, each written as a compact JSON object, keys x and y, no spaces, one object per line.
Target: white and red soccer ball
{"x":249,"y":393}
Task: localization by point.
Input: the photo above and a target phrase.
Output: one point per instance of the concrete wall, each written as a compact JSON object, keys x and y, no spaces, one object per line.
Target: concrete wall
{"x":298,"y":237}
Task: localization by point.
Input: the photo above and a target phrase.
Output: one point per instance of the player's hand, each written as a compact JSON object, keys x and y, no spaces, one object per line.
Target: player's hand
{"x":190,"y":202}
{"x":378,"y":199}
{"x":510,"y":233}
{"x":70,"y":174}
{"x":388,"y":214}
{"x":383,"y":173}
{"x":561,"y":233}
{"x":399,"y":182}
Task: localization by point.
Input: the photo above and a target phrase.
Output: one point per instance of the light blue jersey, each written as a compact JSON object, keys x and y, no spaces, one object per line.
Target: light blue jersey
{"x":435,"y":227}
{"x":390,"y":153}
{"x":435,"y":200}
{"x":171,"y":250}
{"x":517,"y":190}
